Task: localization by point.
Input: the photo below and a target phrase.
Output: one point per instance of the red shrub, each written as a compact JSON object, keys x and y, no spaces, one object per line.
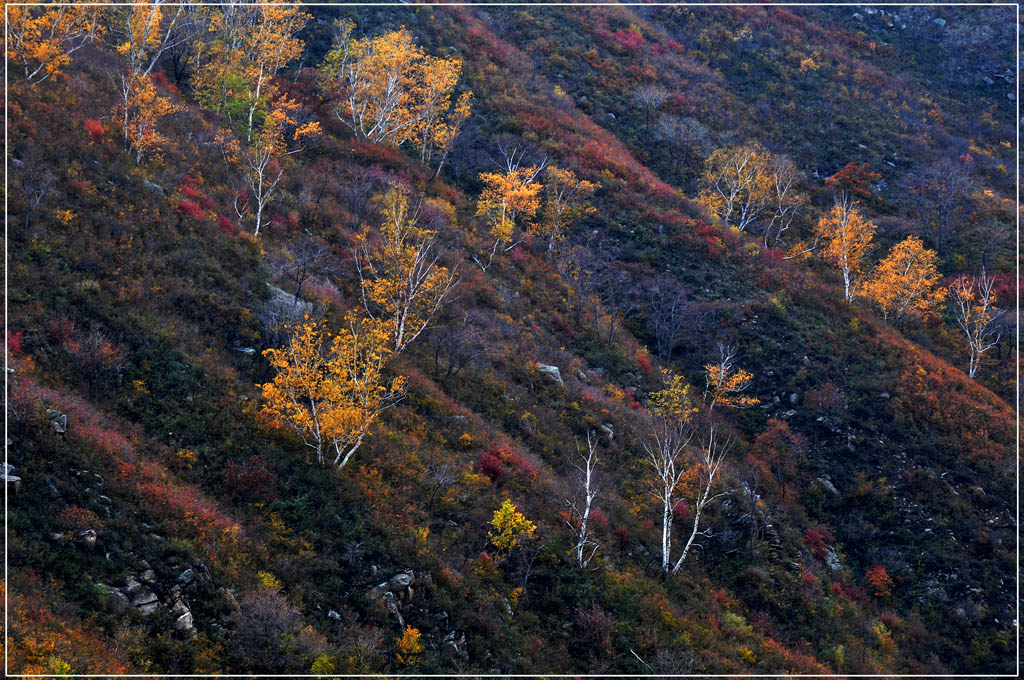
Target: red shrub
{"x":816,"y":538}
{"x":95,"y":129}
{"x":622,"y":536}
{"x":61,"y":331}
{"x":191,"y":209}
{"x":77,"y":518}
{"x":500,"y":461}
{"x":226,"y":225}
{"x":14,"y":341}
{"x":643,"y":360}
{"x":598,"y":519}
{"x":490,"y":465}
{"x":629,"y":39}
{"x":809,"y":578}
{"x":562,"y":327}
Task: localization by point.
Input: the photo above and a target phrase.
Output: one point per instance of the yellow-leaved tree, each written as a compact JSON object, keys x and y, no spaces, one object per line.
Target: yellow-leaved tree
{"x":905,"y":283}
{"x":330,"y":393}
{"x":672,"y":412}
{"x":42,"y":38}
{"x":976,"y":314}
{"x":847,"y":237}
{"x":249,"y":44}
{"x":282,"y":132}
{"x":725,"y":383}
{"x":402,"y":281}
{"x":387,"y":90}
{"x":509,"y":199}
{"x":509,"y":528}
{"x":737,"y":185}
{"x":142,"y":33}
{"x":566,"y":202}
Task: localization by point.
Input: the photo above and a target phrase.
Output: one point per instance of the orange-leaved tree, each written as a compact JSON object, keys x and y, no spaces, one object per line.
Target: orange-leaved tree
{"x":42,"y":38}
{"x":847,"y":237}
{"x":905,"y":283}
{"x":145,"y":108}
{"x":400,"y":275}
{"x":330,"y":395}
{"x":973,"y":307}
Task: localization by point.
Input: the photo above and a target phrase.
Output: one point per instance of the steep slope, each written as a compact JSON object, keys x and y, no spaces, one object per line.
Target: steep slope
{"x":138,"y":308}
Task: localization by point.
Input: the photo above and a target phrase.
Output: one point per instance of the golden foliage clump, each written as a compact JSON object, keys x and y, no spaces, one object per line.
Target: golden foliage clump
{"x":725,"y":383}
{"x":509,"y":528}
{"x":847,"y":237}
{"x":675,"y":401}
{"x":42,"y":38}
{"x":330,"y":396}
{"x":140,"y":110}
{"x":508,"y":199}
{"x":390,"y":91}
{"x":905,"y":283}
{"x":566,"y":202}
{"x":737,"y":186}
{"x":401,"y":278}
{"x":250,"y":43}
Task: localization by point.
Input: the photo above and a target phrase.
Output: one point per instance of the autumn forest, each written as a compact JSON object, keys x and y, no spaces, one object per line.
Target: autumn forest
{"x":486,"y":339}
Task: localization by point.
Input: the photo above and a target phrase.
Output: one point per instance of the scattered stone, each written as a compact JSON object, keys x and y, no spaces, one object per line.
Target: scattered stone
{"x":941,"y":23}
{"x":114,"y":600}
{"x":794,"y":398}
{"x":148,"y":576}
{"x":400,"y":582}
{"x":391,"y":603}
{"x":13,"y":480}
{"x":58,"y":421}
{"x":608,"y":430}
{"x":988,"y":81}
{"x":832,"y":559}
{"x":248,"y":351}
{"x":184,"y":623}
{"x":86,"y":537}
{"x":186,"y":576}
{"x":145,"y":600}
{"x":552,"y":372}
{"x":826,"y":484}
{"x":153,"y":186}
{"x":454,"y":644}
{"x":884,"y":395}
{"x":331,"y":614}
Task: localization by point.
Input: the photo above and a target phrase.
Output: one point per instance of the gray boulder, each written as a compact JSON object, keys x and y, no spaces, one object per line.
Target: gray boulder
{"x":832,"y":559}
{"x":58,"y":421}
{"x":86,"y":537}
{"x":114,"y":600}
{"x":552,"y":372}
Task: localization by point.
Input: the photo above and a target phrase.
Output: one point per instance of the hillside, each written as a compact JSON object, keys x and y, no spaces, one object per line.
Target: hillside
{"x":167,"y":512}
